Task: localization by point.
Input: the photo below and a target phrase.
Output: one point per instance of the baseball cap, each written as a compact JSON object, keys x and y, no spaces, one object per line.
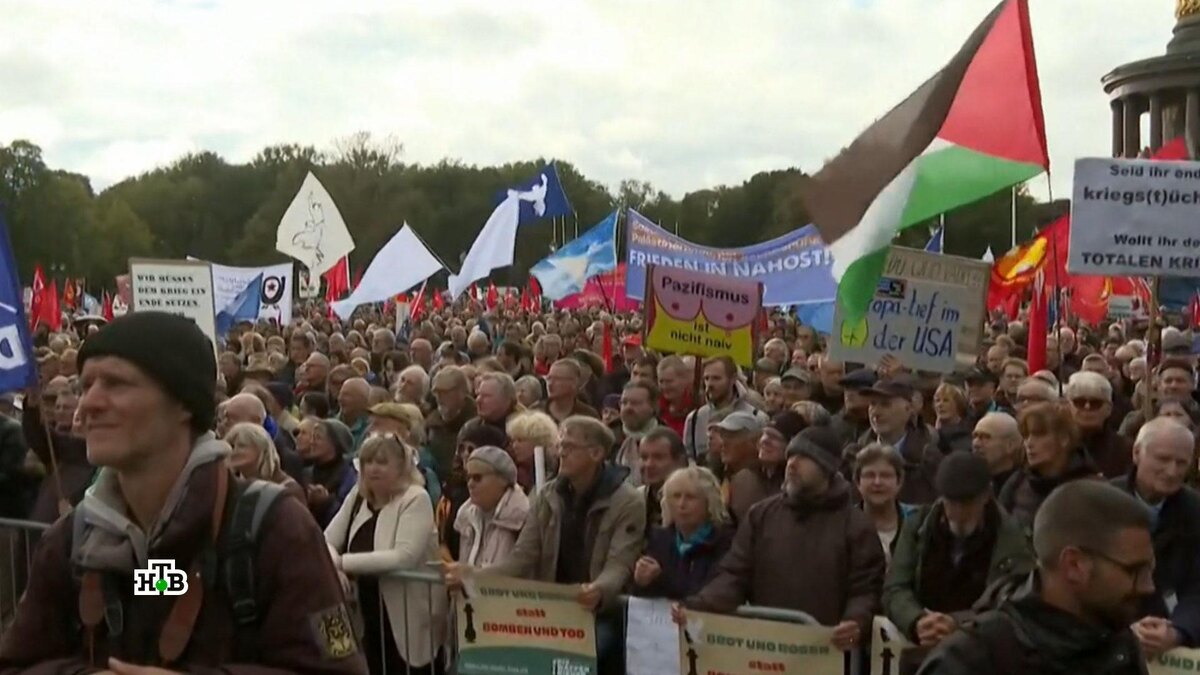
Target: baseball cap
{"x":741,"y":421}
{"x":863,"y":378}
{"x":980,"y":376}
{"x":802,"y":374}
{"x":893,"y":388}
{"x":1176,"y":342}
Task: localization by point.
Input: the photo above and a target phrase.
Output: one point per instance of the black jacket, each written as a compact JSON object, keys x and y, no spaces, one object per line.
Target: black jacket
{"x":1025,"y":490}
{"x":1177,"y":556}
{"x":1026,"y":636}
{"x":16,"y":487}
{"x":683,"y":575}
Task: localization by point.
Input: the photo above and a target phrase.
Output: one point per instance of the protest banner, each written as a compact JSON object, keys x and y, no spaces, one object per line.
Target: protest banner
{"x":183,"y":287}
{"x":276,"y":298}
{"x":1135,"y":217}
{"x":1176,"y":662}
{"x":794,"y":269}
{"x":648,"y":627}
{"x":713,"y":643}
{"x":927,"y":312}
{"x":701,"y":314}
{"x":887,"y":643}
{"x":523,"y":628}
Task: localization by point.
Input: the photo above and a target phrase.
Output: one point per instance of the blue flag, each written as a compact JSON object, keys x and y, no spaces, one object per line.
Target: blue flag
{"x":18,"y":370}
{"x":936,"y":241}
{"x":539,"y":197}
{"x":244,"y":307}
{"x":566,"y":271}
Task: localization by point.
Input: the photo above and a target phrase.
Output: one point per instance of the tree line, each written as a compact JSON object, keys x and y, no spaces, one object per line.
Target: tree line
{"x":204,"y":206}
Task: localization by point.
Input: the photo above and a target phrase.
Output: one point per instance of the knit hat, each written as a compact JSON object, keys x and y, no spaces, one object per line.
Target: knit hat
{"x":962,"y":476}
{"x":171,"y":350}
{"x":788,"y":423}
{"x":282,"y":393}
{"x":340,"y":435}
{"x":497,"y":460}
{"x":821,"y":445}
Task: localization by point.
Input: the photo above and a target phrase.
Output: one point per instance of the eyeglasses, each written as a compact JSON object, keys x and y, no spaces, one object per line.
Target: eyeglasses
{"x":1143,"y":571}
{"x":1088,"y":403}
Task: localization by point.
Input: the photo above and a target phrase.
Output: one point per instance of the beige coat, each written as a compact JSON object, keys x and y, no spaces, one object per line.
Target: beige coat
{"x":487,"y":543}
{"x":405,"y":539}
{"x":617,"y":518}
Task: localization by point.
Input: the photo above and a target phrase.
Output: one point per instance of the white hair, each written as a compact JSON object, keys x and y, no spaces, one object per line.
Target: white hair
{"x":422,"y":377}
{"x":1087,"y":383}
{"x":1049,"y":390}
{"x":1006,"y":424}
{"x":1163,"y":430}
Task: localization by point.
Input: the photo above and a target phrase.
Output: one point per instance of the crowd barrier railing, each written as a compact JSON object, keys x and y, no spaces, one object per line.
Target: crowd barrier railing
{"x":17,"y":541}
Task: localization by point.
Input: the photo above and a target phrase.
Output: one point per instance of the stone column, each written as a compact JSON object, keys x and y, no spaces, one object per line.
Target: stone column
{"x":1133,"y":128}
{"x":1156,"y":122}
{"x":1118,"y":128}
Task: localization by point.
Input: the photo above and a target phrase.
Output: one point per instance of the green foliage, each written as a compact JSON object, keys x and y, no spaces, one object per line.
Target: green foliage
{"x":203,"y":206}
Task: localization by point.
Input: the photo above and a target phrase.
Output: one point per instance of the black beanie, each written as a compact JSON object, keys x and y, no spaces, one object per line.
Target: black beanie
{"x":821,"y":445}
{"x":172,"y":350}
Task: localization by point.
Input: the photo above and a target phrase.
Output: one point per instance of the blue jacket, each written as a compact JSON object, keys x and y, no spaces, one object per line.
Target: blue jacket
{"x":683,"y":575}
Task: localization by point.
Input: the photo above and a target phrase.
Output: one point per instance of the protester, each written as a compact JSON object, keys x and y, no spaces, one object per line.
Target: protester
{"x":809,"y":532}
{"x":386,"y":525}
{"x":248,"y":408}
{"x":1095,"y":561}
{"x":455,"y":489}
{"x":721,"y":394}
{"x":333,"y":474}
{"x":675,"y":386}
{"x":526,"y":432}
{"x":564,"y":386}
{"x":488,"y":525}
{"x":763,"y":477}
{"x":878,"y":475}
{"x":1091,"y":398}
{"x":740,"y":433}
{"x":1053,"y":457}
{"x":254,"y":457}
{"x":1032,"y":391}
{"x":948,"y":554}
{"x":148,"y":404}
{"x":660,"y":453}
{"x":496,"y":400}
{"x":1162,"y":455}
{"x":637,"y":418}
{"x":453,"y":410}
{"x":952,"y":424}
{"x":997,"y":439}
{"x":893,"y":423}
{"x":682,"y":553}
{"x":62,"y":455}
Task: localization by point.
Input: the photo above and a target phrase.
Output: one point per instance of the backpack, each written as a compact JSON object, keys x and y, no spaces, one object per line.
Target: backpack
{"x":232,"y":563}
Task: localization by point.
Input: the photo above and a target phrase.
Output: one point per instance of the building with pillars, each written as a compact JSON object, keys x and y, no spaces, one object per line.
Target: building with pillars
{"x":1167,"y":88}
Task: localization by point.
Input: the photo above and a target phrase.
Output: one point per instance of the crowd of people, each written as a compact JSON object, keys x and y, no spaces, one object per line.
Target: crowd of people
{"x":1047,"y":515}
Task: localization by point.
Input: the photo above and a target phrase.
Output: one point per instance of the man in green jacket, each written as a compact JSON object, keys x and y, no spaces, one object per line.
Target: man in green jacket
{"x":948,"y":554}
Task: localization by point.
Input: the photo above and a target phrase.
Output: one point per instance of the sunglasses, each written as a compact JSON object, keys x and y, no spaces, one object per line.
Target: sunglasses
{"x":1088,"y":403}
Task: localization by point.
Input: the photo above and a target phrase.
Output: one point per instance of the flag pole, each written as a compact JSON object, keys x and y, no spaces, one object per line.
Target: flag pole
{"x":1014,"y":217}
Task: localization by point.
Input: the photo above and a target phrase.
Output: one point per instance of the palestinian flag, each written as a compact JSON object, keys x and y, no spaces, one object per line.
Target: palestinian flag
{"x":972,"y":130}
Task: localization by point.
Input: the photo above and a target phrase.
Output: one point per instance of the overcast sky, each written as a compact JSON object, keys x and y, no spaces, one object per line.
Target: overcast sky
{"x":686,"y":94}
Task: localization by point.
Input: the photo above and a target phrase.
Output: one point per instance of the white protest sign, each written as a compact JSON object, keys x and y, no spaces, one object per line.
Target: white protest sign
{"x":1176,"y":662}
{"x":927,"y":312}
{"x":648,"y":627}
{"x":887,"y":643}
{"x":1135,"y":217}
{"x":275,"y":301}
{"x":182,"y":287}
{"x":309,"y":287}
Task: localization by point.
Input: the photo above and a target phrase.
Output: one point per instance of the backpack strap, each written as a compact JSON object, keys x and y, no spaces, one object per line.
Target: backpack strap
{"x":239,"y":561}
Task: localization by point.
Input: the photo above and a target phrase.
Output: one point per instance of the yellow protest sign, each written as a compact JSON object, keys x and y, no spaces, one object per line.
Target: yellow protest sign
{"x":1176,"y":662}
{"x":713,"y":643}
{"x":523,"y":628}
{"x":689,"y":312}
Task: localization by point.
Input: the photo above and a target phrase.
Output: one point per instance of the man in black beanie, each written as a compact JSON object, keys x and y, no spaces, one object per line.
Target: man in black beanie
{"x":807,"y":549}
{"x":165,"y":493}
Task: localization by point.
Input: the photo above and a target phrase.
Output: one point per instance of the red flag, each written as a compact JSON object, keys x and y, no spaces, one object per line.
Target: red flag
{"x":38,"y":304}
{"x":1194,"y":309}
{"x":493,"y":296}
{"x":53,"y":314}
{"x":535,"y":293}
{"x":337,"y":280}
{"x":438,"y":301}
{"x":417,"y":309}
{"x":1038,"y":318}
{"x":107,"y":310}
{"x":607,"y":349}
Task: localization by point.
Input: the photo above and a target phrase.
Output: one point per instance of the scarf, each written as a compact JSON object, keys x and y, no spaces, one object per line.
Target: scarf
{"x":682,"y":545}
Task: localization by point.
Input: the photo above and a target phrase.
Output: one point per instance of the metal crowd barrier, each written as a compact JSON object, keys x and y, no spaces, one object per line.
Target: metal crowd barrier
{"x":19,"y":537}
{"x":17,"y":541}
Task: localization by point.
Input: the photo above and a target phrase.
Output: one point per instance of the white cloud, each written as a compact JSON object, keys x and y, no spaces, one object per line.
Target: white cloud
{"x":683,"y":93}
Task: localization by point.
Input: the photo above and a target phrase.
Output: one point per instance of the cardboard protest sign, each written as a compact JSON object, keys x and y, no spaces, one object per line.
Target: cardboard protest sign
{"x":1176,"y":662}
{"x":887,"y":643}
{"x":1135,"y":217}
{"x":927,"y":312}
{"x":523,"y":628}
{"x":183,"y":287}
{"x":702,"y":314}
{"x":648,"y":630}
{"x":713,"y":643}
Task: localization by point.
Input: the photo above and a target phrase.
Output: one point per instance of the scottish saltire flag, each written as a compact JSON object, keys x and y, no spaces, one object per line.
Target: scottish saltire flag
{"x":243,"y":307}
{"x":18,"y":370}
{"x":936,"y":241}
{"x":566,"y":271}
{"x":539,"y":197}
